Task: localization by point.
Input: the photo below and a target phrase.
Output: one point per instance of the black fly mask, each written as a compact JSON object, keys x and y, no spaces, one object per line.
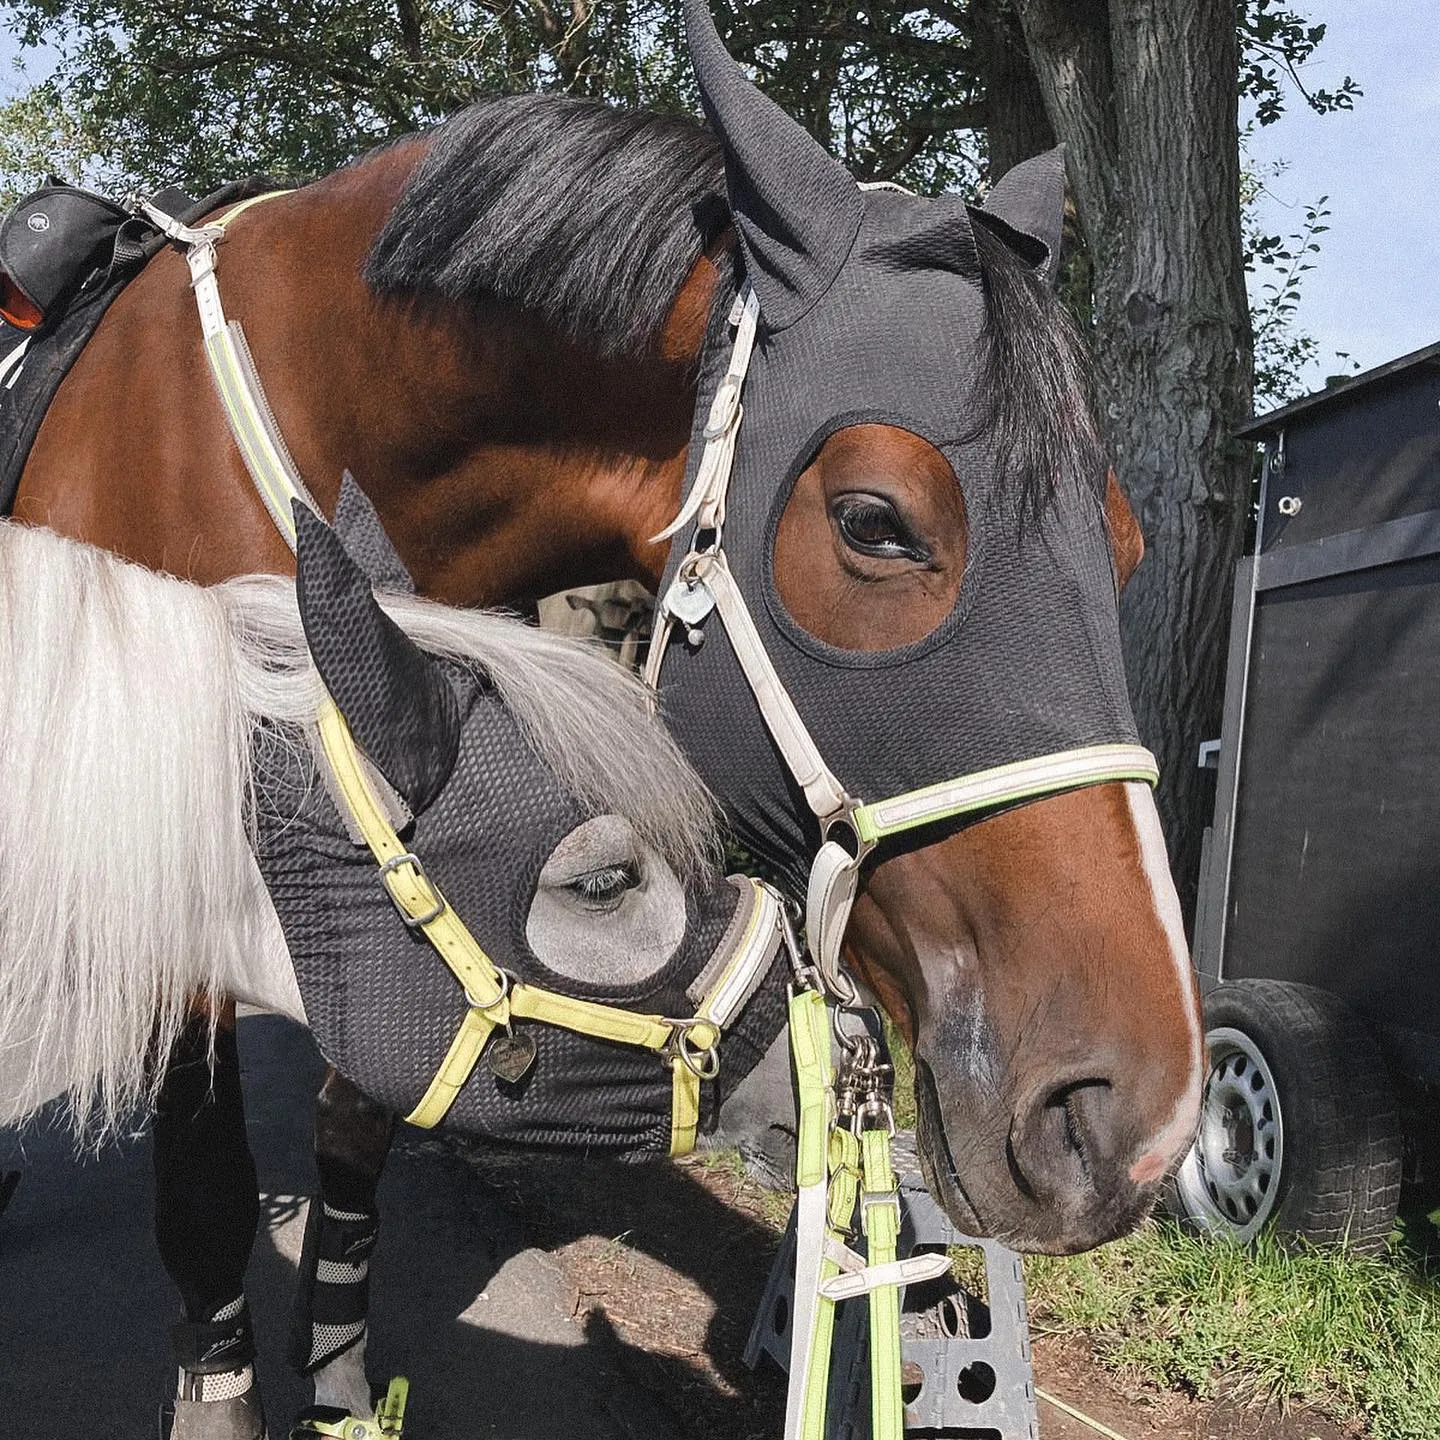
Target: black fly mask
{"x":558,"y":896}
{"x":867,"y":306}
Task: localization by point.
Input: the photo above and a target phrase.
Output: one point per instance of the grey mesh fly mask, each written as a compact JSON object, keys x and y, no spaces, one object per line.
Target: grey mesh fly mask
{"x":866,"y":305}
{"x":558,"y":896}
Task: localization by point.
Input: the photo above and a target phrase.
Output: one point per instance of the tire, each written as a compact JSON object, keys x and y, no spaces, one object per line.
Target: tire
{"x":1299,"y":1128}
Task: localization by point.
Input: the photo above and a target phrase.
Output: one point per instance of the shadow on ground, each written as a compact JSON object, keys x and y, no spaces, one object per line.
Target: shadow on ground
{"x":492,"y":1334}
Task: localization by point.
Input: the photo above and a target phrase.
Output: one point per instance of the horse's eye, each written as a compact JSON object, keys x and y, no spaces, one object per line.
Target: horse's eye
{"x":871,"y":525}
{"x":604,"y":888}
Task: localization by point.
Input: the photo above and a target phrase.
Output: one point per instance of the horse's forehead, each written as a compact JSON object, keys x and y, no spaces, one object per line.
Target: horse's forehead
{"x":502,"y":784}
{"x":896,"y":333}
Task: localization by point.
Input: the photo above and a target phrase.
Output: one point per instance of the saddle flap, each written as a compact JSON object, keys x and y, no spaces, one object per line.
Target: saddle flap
{"x":50,"y":245}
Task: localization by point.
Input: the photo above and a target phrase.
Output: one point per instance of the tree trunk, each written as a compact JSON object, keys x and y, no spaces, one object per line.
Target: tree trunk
{"x":1144,"y":94}
{"x":1016,"y":125}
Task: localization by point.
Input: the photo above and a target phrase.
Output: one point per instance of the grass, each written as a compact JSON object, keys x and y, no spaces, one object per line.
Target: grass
{"x":1356,"y":1336}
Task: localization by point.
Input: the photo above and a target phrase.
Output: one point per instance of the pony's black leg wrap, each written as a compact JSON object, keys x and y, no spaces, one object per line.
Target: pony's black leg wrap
{"x":207,"y":1205}
{"x":352,"y":1139}
{"x":218,"y":1347}
{"x":207,"y":1208}
{"x":332,"y":1298}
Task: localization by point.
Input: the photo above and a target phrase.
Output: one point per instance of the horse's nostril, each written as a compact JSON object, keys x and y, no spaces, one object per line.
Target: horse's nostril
{"x":1082,"y":1106}
{"x":1064,"y":1144}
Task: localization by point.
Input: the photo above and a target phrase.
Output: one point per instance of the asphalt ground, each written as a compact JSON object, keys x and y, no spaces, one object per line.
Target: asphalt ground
{"x":480,"y":1323}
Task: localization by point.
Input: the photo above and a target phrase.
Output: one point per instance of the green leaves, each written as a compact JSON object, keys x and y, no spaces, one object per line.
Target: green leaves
{"x":150,"y":91}
{"x":1275,"y":45}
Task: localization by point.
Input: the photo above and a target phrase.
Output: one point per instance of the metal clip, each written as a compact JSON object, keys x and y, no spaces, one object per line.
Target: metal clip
{"x":803,"y":976}
{"x":876,"y":1113}
{"x":505,"y":983}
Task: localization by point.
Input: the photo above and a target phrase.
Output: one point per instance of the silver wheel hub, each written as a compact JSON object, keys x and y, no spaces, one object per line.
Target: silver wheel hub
{"x":1228,"y":1182}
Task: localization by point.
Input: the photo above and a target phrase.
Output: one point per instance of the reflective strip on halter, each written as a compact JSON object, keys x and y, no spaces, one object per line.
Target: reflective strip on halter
{"x":706,"y":502}
{"x":1004,"y":785}
{"x":237,"y":383}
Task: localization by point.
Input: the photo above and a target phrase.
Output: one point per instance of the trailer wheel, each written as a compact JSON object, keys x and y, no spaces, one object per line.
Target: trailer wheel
{"x":1299,"y":1128}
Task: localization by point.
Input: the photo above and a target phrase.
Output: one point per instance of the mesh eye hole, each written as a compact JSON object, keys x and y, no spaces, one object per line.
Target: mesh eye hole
{"x":606,"y":886}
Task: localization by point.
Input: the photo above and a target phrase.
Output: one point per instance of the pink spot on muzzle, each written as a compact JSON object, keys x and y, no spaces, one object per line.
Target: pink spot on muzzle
{"x":1149,"y":1168}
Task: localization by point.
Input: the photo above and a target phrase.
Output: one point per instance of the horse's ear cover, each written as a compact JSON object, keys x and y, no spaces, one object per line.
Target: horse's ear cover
{"x":362,"y":534}
{"x":397,"y":701}
{"x":1026,"y":208}
{"x":797,"y":210}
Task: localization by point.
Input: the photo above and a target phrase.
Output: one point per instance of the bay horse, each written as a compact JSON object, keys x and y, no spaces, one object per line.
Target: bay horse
{"x":503,"y":326}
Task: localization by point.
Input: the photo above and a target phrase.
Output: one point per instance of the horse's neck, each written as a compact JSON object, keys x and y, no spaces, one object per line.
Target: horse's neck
{"x":505,"y":464}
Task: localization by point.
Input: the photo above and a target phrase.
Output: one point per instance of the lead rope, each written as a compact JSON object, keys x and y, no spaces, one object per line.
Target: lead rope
{"x":843,"y":1143}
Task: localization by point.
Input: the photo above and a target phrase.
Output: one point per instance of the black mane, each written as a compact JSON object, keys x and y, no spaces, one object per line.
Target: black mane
{"x":590,"y":219}
{"x":587,"y":217}
{"x":1035,"y":395}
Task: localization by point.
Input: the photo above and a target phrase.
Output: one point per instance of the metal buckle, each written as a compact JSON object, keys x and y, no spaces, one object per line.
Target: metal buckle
{"x":438,"y":908}
{"x":878,"y":1197}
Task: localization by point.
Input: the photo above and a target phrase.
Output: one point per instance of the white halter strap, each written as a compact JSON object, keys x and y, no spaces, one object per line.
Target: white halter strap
{"x":703,"y":583}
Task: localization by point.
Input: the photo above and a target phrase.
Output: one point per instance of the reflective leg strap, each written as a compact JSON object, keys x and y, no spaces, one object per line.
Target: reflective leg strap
{"x":880,"y":1219}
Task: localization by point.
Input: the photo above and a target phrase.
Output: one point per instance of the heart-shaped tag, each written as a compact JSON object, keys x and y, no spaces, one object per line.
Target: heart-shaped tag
{"x":509,"y":1055}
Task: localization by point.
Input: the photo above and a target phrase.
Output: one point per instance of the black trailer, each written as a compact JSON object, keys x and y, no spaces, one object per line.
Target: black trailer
{"x":1317,"y":933}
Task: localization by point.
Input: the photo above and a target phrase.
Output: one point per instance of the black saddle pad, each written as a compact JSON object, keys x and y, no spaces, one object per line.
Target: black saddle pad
{"x":92,"y":263}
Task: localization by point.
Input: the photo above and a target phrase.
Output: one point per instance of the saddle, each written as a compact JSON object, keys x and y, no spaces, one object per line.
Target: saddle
{"x":61,"y":241}
{"x":65,"y":255}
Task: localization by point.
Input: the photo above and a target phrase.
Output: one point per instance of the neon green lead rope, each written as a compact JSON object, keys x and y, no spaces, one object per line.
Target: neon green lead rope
{"x":850,"y":1166}
{"x":880,"y":1215}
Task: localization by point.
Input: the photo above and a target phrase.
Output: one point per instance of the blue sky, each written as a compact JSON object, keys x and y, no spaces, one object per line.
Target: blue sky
{"x":1376,"y":291}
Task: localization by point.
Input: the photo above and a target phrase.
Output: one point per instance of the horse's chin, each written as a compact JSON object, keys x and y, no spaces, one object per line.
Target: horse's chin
{"x":937,"y":1164}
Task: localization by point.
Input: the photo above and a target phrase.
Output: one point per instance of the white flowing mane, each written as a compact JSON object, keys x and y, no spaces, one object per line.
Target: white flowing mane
{"x":127,"y":879}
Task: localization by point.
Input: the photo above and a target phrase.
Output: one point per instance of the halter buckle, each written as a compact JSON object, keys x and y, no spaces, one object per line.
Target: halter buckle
{"x":724,"y":408}
{"x":505,"y":983}
{"x":438,"y":905}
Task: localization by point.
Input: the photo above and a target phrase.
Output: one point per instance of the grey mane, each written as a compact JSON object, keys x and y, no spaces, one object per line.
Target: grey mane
{"x":586,"y":717}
